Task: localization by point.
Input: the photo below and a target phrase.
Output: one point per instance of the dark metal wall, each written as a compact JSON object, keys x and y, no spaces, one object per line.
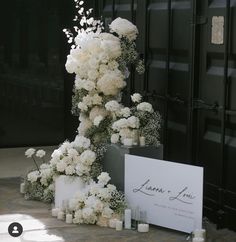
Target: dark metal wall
{"x":191,"y":81}
{"x":34,"y":89}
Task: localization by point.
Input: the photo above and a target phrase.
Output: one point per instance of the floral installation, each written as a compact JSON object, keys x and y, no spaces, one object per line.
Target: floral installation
{"x":139,"y":120}
{"x":99,"y":60}
{"x":97,"y":203}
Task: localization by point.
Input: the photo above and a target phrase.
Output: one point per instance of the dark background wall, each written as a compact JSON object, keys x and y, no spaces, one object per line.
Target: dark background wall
{"x":192,"y":82}
{"x":189,"y":79}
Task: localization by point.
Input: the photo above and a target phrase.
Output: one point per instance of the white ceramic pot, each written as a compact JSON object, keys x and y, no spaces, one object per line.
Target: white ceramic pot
{"x":66,"y":187}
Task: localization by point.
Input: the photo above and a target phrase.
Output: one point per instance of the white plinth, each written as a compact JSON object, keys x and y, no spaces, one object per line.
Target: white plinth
{"x":65,"y":188}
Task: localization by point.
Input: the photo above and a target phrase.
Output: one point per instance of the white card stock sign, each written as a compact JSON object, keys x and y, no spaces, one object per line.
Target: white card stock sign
{"x":171,"y":193}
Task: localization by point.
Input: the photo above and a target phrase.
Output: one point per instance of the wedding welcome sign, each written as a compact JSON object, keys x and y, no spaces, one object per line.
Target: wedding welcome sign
{"x":169,"y":192}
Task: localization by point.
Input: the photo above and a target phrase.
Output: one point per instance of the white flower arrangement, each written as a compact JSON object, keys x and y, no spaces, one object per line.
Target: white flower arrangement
{"x":93,"y":204}
{"x":100,"y":63}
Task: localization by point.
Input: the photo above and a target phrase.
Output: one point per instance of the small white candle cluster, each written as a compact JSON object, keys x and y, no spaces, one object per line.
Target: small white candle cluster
{"x":118,"y":224}
{"x":199,"y":235}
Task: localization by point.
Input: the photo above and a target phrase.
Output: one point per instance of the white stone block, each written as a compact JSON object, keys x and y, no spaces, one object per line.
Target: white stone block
{"x":65,"y":188}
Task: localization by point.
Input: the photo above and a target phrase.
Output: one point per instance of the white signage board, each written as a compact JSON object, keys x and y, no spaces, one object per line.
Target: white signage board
{"x":170,"y":193}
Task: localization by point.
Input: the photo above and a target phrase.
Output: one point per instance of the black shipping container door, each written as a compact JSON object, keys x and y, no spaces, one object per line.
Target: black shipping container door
{"x":190,"y":78}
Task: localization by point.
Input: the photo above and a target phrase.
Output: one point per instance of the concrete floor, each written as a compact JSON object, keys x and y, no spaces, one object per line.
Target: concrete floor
{"x":14,"y":163}
{"x":39,"y":226}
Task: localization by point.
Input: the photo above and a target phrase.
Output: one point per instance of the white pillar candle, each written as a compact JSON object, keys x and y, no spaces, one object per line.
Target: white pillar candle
{"x":142,"y":141}
{"x":197,"y":239}
{"x":22,"y":188}
{"x":60,"y":215}
{"x":200,"y":233}
{"x":112,"y":223}
{"x":143,"y":228}
{"x":128,"y":218}
{"x":69,"y":218}
{"x":128,"y":142}
{"x":119,"y":225}
{"x":55,"y":212}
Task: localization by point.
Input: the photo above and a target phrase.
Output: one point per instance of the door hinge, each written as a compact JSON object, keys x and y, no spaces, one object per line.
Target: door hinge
{"x":198,"y":20}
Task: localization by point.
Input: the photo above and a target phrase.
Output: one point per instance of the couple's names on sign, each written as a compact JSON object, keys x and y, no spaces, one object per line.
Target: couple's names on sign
{"x":171,"y":193}
{"x":183,"y":196}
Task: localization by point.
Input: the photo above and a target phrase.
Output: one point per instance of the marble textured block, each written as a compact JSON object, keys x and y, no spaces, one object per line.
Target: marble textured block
{"x":114,"y":160}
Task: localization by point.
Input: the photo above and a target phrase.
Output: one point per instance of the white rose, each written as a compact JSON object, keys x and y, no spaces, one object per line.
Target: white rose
{"x":81,"y":142}
{"x":30,"y":152}
{"x":145,"y":107}
{"x":124,"y":28}
{"x":88,"y":157}
{"x":112,"y":106}
{"x":104,"y":178}
{"x":136,"y":98}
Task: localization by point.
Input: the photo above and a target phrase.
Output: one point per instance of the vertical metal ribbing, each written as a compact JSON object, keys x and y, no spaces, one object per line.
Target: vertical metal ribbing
{"x":146,"y":43}
{"x":191,"y":83}
{"x":132,"y":11}
{"x":169,"y":35}
{"x":113,"y":8}
{"x":132,"y":84}
{"x":224,"y":107}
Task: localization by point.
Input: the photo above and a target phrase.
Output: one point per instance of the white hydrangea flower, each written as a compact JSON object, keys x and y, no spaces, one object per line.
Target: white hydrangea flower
{"x":81,"y":142}
{"x":56,"y":154}
{"x":111,"y":188}
{"x":136,"y":98}
{"x":96,"y":99}
{"x":104,"y":178}
{"x":65,"y":147}
{"x":120,"y":124}
{"x":125,"y":112}
{"x":29,"y":152}
{"x":70,"y":170}
{"x":115,"y":138}
{"x":104,"y":194}
{"x":124,"y":28}
{"x":112,"y":106}
{"x":33,"y":176}
{"x":96,"y":111}
{"x":40,"y":153}
{"x":82,"y":169}
{"x":61,"y":166}
{"x":82,"y":106}
{"x":145,"y":107}
{"x":98,"y":120}
{"x":72,"y":153}
{"x":107,"y":212}
{"x":111,"y":82}
{"x":78,"y":217}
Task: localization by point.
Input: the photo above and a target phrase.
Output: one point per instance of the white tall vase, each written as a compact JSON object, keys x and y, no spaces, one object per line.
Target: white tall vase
{"x":66,"y":187}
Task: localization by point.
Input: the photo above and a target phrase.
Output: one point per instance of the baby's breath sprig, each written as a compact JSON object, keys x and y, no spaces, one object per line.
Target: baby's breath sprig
{"x":83,"y":19}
